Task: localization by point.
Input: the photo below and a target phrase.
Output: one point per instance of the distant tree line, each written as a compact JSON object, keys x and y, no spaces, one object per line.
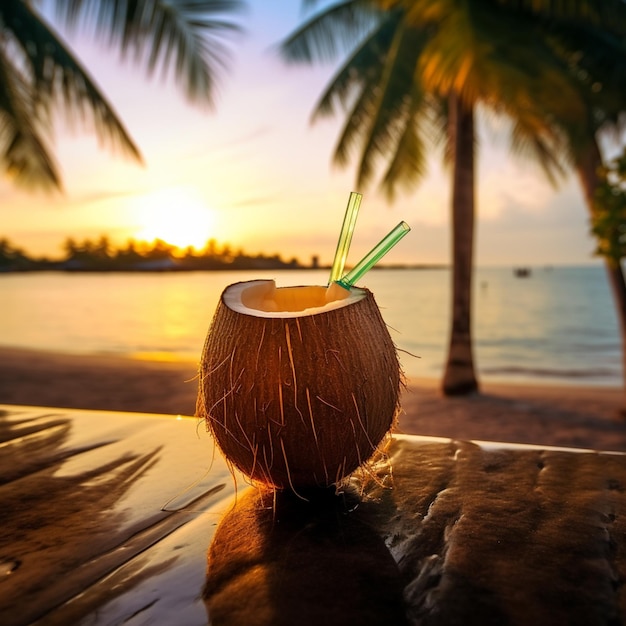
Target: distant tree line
{"x":101,"y":255}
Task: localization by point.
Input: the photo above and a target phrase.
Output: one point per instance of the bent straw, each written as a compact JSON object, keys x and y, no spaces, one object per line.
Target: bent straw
{"x":345,"y":236}
{"x":374,"y":255}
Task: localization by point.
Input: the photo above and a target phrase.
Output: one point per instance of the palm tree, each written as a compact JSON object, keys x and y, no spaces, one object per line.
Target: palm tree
{"x":418,"y":71}
{"x":585,"y":44}
{"x":38,"y":72}
{"x":601,"y":74}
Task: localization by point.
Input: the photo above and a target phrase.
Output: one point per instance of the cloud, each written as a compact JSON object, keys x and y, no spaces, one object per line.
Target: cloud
{"x":506,"y":184}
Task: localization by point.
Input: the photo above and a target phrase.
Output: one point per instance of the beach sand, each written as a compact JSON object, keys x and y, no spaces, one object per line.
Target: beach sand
{"x":576,"y":416}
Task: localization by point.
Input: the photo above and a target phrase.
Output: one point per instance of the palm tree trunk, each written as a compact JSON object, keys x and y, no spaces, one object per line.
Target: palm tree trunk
{"x":459,"y":377}
{"x":587,"y":168}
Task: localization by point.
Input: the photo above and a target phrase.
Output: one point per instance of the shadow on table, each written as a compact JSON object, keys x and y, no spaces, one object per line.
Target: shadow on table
{"x":291,"y":561}
{"x":58,"y":521}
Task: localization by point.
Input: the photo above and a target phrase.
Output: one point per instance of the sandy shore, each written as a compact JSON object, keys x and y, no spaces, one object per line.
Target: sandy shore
{"x":584,"y":417}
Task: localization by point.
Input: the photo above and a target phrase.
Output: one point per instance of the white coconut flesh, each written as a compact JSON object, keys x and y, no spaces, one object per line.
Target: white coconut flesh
{"x":261,"y":298}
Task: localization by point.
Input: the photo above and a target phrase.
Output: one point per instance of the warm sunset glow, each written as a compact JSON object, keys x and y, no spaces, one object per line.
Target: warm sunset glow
{"x":175,"y":215}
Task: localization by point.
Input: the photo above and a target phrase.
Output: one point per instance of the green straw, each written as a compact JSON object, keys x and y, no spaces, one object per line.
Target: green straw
{"x":345,"y":236}
{"x":374,"y":255}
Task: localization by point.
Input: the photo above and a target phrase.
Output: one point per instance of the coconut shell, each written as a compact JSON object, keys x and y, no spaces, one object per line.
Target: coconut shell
{"x":302,"y":400}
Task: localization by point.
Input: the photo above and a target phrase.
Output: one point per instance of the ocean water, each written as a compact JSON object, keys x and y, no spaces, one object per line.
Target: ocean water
{"x":558,"y":325}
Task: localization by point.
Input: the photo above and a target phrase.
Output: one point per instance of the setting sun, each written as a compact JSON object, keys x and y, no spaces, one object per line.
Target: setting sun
{"x":176,"y":215}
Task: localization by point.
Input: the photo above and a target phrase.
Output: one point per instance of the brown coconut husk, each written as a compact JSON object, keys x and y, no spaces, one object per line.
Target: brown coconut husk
{"x":299,"y":401}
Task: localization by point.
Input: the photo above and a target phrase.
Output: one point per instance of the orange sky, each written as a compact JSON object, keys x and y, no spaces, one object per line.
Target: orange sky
{"x":254,"y":173}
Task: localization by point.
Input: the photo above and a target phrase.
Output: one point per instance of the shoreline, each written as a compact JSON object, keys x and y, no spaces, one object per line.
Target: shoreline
{"x":543,"y":414}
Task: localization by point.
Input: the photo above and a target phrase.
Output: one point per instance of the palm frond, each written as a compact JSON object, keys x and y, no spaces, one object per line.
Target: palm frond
{"x":183,"y":36}
{"x":437,"y":123}
{"x":363,"y":66}
{"x":600,"y":72}
{"x":376,"y":85}
{"x":324,"y":35}
{"x":408,"y":162}
{"x":356,"y":119}
{"x":364,"y":73}
{"x":608,"y":14}
{"x":24,"y":155}
{"x":394,"y":96}
{"x":549,"y":151}
{"x":57,"y":76}
{"x":420,"y":13}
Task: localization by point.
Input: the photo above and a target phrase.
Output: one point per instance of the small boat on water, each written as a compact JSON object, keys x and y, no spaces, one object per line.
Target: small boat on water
{"x":521,"y":272}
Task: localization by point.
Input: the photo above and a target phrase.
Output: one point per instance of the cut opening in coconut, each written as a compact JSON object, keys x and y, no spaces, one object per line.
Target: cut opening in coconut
{"x":262,"y":298}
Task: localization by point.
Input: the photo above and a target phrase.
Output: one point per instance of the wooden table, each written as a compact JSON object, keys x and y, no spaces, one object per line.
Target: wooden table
{"x":109,"y":518}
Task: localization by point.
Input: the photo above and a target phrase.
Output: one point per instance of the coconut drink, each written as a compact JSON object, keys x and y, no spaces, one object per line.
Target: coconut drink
{"x":298,"y":385}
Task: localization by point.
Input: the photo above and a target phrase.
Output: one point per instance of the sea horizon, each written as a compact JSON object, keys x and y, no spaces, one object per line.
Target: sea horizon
{"x":558,"y":325}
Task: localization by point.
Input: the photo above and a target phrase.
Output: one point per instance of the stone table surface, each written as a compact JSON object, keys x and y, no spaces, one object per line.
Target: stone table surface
{"x":111,"y":518}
